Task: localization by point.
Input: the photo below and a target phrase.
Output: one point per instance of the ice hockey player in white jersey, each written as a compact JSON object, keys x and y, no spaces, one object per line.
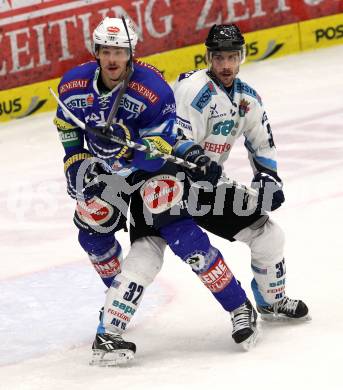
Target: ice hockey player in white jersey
{"x":214,"y":108}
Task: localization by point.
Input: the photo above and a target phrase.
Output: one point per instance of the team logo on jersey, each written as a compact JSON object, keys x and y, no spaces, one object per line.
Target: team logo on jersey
{"x":80,"y":101}
{"x":162,"y":192}
{"x":203,"y":97}
{"x":132,"y":105}
{"x":243,"y":107}
{"x":104,"y":101}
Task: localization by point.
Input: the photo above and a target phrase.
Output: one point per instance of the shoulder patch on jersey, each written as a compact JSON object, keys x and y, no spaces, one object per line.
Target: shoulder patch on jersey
{"x":187,"y":74}
{"x":242,"y":87}
{"x":73,"y":84}
{"x":203,"y":97}
{"x":144,"y":91}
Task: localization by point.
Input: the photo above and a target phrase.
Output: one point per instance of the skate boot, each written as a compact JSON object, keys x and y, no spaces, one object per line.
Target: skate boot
{"x":111,"y":350}
{"x":285,"y":309}
{"x":244,"y":325}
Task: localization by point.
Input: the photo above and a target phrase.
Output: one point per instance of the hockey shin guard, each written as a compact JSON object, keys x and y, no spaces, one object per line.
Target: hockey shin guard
{"x":192,"y":245}
{"x":138,"y":270}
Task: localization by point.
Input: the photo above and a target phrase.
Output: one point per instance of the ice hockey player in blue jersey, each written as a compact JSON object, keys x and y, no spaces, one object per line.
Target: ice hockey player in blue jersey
{"x":147,"y":109}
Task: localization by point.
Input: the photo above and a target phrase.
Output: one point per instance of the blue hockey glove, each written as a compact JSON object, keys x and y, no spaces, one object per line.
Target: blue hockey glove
{"x":207,"y":170}
{"x":105,"y":148}
{"x":72,"y":163}
{"x":270,"y":194}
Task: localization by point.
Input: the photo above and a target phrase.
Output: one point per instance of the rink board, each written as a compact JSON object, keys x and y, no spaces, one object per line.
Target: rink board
{"x":261,"y":45}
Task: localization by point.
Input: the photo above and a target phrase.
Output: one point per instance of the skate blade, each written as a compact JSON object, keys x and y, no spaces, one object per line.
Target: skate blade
{"x":283,"y":318}
{"x":251,"y":341}
{"x":110,"y":359}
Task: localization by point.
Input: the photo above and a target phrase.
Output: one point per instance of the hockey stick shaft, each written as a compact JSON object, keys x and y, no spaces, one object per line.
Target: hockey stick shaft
{"x":113,"y":138}
{"x":116,"y":103}
{"x":143,"y":148}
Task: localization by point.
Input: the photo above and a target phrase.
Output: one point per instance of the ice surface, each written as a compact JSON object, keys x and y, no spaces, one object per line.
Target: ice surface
{"x":50,"y":295}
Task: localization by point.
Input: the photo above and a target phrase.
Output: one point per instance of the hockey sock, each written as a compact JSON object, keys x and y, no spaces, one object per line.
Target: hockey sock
{"x":104,"y":252}
{"x":192,"y":245}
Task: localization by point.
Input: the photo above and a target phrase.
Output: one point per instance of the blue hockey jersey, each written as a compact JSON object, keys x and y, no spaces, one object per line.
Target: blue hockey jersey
{"x":147,"y":108}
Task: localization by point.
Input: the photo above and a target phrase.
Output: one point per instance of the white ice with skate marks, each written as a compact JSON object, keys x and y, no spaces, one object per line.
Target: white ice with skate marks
{"x":50,"y":295}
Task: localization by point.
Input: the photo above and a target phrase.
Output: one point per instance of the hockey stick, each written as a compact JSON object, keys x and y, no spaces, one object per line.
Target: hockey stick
{"x":126,"y":81}
{"x":143,"y":148}
{"x":131,"y":144}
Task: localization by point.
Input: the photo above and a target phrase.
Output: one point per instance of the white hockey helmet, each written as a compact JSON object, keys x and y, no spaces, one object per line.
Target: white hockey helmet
{"x":111,"y":32}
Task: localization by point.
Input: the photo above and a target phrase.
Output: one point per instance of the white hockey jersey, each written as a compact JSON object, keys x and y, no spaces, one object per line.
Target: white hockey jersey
{"x":215,"y":118}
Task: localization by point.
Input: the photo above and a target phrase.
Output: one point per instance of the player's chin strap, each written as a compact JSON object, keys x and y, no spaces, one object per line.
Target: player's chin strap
{"x":105,"y":134}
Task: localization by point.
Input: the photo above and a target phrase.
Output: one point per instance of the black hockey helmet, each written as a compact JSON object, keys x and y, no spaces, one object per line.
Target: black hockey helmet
{"x":225,"y":37}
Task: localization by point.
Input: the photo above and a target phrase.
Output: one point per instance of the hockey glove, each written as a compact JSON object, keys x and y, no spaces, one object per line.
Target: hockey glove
{"x":270,"y":194}
{"x":206,"y":170}
{"x":72,"y":163}
{"x":106,"y":148}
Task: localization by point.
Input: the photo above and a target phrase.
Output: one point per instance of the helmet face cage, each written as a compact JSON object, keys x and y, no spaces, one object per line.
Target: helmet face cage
{"x":111,"y":32}
{"x":225,"y":37}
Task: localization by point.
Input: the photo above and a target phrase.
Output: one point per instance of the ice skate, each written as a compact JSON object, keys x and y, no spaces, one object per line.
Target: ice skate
{"x":111,"y":350}
{"x":286,"y":309}
{"x":244,"y":322}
